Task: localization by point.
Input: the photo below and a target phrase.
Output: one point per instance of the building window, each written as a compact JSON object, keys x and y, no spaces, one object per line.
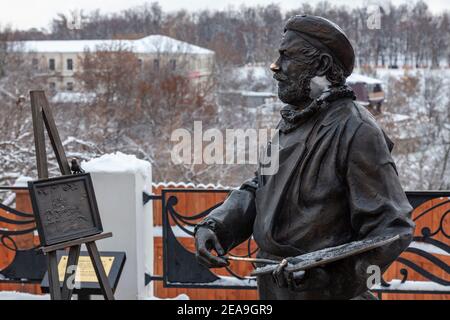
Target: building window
{"x":69,"y":86}
{"x":52,"y":86}
{"x":156,"y":65}
{"x":173,"y":64}
{"x":51,"y":64}
{"x":35,"y":63}
{"x":69,"y":64}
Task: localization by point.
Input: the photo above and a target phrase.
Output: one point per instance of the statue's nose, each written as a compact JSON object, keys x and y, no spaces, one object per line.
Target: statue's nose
{"x":274,"y":67}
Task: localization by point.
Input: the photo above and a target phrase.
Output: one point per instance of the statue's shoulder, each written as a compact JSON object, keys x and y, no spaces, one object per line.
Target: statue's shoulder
{"x":362,"y":124}
{"x":350,"y":115}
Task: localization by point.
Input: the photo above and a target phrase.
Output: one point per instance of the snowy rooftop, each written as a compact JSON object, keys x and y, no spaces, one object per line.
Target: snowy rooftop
{"x":149,"y":44}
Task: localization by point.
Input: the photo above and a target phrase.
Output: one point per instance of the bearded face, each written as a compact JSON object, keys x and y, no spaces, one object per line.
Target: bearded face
{"x":293,"y":70}
{"x":294,"y":91}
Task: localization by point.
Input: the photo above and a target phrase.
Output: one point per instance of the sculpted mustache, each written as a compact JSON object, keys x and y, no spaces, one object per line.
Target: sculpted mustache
{"x":280,"y":77}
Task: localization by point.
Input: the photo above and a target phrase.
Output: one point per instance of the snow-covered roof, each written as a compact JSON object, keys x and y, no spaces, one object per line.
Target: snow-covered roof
{"x":356,"y":77}
{"x":149,"y":44}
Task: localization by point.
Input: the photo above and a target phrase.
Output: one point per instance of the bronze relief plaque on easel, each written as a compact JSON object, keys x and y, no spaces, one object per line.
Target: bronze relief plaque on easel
{"x":65,"y":208}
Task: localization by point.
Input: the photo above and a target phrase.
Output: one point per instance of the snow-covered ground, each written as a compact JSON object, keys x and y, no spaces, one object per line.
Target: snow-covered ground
{"x":229,"y":281}
{"x":14,"y":295}
{"x":180,"y":297}
{"x":429,"y":286}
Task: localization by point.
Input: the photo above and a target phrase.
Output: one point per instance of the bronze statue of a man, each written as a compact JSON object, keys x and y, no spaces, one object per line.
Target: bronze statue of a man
{"x":336,"y":181}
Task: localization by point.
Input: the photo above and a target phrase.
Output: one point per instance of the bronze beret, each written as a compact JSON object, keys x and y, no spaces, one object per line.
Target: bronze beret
{"x":325,"y":36}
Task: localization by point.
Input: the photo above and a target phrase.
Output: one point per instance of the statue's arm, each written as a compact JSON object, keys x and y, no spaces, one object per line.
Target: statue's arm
{"x":378,"y":207}
{"x":232,"y":222}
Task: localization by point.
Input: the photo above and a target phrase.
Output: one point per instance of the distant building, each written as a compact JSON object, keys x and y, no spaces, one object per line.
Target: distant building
{"x":249,"y":99}
{"x":59,"y":60}
{"x":368,"y":91}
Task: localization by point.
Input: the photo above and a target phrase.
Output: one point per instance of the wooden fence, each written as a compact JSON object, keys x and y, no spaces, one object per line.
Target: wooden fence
{"x":186,"y":205}
{"x":26,"y":241}
{"x":432,"y":222}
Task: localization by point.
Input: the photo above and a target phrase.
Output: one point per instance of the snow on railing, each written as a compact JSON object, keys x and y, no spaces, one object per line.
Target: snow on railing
{"x":412,"y":286}
{"x":172,"y":184}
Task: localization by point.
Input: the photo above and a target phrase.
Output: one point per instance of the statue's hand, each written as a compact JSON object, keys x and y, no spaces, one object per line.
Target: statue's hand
{"x":285,"y":279}
{"x":312,"y":279}
{"x":205,"y":241}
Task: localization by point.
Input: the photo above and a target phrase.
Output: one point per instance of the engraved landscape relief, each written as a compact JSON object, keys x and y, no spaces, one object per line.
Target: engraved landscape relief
{"x":64,"y":208}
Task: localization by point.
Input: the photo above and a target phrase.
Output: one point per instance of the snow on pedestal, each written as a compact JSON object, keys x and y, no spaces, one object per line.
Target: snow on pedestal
{"x":22,"y":181}
{"x":119,"y":181}
{"x":119,"y":163}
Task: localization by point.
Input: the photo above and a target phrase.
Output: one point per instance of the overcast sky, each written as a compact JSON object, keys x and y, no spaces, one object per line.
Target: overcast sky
{"x":24,"y":14}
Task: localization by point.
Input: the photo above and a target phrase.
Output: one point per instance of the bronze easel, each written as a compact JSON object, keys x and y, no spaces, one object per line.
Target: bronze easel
{"x":41,"y":115}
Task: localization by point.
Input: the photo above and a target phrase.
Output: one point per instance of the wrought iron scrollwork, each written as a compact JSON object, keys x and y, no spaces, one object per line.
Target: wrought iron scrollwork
{"x":19,"y":268}
{"x":8,"y":234}
{"x":186,"y":223}
{"x":181,"y":220}
{"x":404,"y":273}
{"x":16,"y":212}
{"x":428,"y":236}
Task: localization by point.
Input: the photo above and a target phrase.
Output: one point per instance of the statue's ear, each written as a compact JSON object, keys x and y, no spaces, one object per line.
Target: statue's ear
{"x":325,"y":62}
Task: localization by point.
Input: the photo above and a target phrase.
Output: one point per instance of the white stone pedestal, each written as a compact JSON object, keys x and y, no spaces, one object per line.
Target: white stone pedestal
{"x":119,"y":181}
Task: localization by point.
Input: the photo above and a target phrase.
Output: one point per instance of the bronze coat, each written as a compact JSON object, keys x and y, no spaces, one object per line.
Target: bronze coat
{"x":336,"y":183}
